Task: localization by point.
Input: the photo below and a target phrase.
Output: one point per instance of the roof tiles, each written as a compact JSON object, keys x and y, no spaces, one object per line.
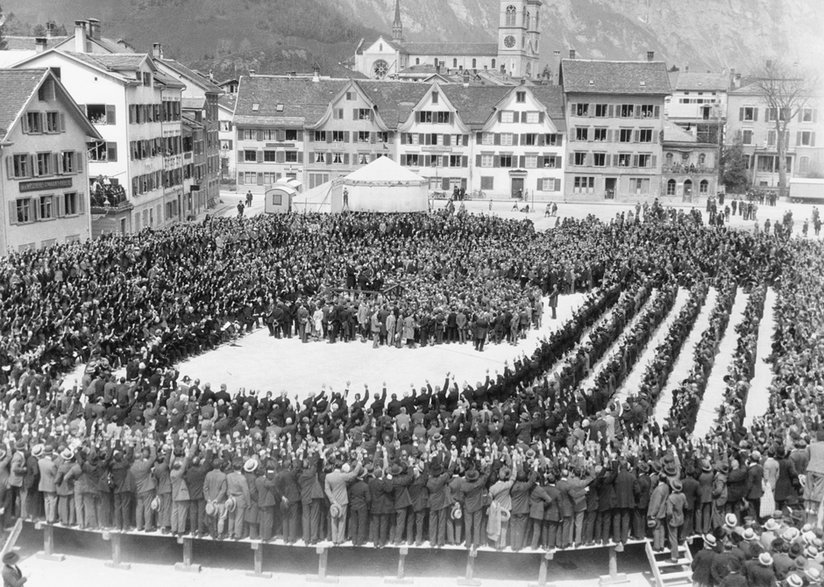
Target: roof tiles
{"x":584,"y":76}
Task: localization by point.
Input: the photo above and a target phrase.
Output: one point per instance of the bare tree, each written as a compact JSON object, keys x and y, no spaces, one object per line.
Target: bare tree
{"x":786,"y":90}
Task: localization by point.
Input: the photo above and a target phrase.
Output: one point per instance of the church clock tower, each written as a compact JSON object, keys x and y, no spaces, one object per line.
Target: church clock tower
{"x":519,"y":36}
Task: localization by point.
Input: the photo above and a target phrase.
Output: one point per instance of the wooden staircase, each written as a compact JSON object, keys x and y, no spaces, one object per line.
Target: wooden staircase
{"x":667,"y":573}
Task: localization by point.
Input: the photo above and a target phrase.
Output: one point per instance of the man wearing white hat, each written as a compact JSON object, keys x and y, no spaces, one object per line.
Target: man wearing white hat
{"x":47,"y":485}
{"x":335,"y":489}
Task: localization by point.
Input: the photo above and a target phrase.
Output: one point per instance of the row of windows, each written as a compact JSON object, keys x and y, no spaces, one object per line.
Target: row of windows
{"x":270,"y":134}
{"x":588,"y":159}
{"x":531,"y":161}
{"x":269,"y":156}
{"x":345,"y":136}
{"x":512,"y":116}
{"x":585,"y":184}
{"x":434,"y":139}
{"x":167,"y":111}
{"x":255,"y":178}
{"x":43,"y":208}
{"x":524,"y":139}
{"x":751,"y":113}
{"x":148,"y":182}
{"x":617,"y":135}
{"x":44,"y":122}
{"x":423,"y":160}
{"x":544,"y":184}
{"x":583,"y":109}
{"x":703,"y":187}
{"x":26,"y":165}
{"x":803,"y":138}
{"x":160,"y":146}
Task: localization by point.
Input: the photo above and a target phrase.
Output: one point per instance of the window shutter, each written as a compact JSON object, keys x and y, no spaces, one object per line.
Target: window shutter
{"x":61,"y":122}
{"x":403,"y":138}
{"x":403,"y":160}
{"x":33,"y":166}
{"x":654,"y":136}
{"x":78,"y":162}
{"x":346,"y":159}
{"x":24,"y":121}
{"x":798,"y":139}
{"x":447,"y":140}
{"x":755,"y":114}
{"x":355,"y":114}
{"x":522,"y":161}
{"x":372,"y":137}
{"x":497,"y":138}
{"x":260,"y":179}
{"x":58,"y":205}
{"x":635,"y":160}
{"x":477,"y":160}
{"x":572,"y":108}
{"x":280,"y":156}
{"x":496,"y":161}
{"x":479,"y":138}
{"x":557,"y":185}
{"x":111,"y":151}
{"x":259,"y":156}
{"x":541,"y":140}
{"x":559,"y":140}
{"x":615,"y":160}
{"x":741,"y":113}
{"x":523,"y":117}
{"x":812,"y":139}
{"x":421,"y":139}
{"x":541,"y":117}
{"x":635,"y":135}
{"x":514,"y":140}
{"x":13,"y":212}
{"x":110,"y":115}
{"x":465,"y":161}
{"x":558,"y":162}
{"x":34,"y":208}
{"x":445,"y":161}
{"x":55,"y":164}
{"x":300,"y":156}
{"x":81,"y":202}
{"x":657,"y":112}
{"x":500,"y":116}
{"x":654,"y":161}
{"x":241,"y":158}
{"x":259,"y":135}
{"x":610,"y":110}
{"x":10,"y":167}
{"x":637,"y":111}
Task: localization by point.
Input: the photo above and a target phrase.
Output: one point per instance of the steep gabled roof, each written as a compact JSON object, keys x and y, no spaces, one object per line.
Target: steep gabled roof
{"x":301,"y":101}
{"x":475,"y":104}
{"x":394,"y":100}
{"x":437,"y":49}
{"x":117,"y":62}
{"x":26,"y":43}
{"x":706,"y":82}
{"x":208,"y":85}
{"x":587,"y":76}
{"x":16,"y":87}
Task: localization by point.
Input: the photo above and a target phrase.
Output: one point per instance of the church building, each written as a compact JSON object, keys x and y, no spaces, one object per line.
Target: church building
{"x":515,"y":54}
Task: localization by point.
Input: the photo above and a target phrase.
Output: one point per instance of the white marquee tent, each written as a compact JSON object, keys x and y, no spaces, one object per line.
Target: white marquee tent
{"x":381,"y":186}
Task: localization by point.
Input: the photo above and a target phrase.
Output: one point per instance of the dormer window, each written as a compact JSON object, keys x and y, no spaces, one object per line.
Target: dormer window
{"x":435,"y":97}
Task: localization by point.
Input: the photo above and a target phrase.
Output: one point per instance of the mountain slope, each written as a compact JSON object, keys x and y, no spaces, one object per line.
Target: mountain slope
{"x":279,"y":35}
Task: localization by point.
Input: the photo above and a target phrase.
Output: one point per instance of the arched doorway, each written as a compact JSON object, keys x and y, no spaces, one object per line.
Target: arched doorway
{"x":687,"y":187}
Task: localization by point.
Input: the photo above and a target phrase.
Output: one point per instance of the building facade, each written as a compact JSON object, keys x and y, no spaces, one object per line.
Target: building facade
{"x":226,"y":136}
{"x":690,"y":169}
{"x":129,"y":102}
{"x":751,"y":123}
{"x":615,"y":121}
{"x":698,"y":104}
{"x":44,"y":185}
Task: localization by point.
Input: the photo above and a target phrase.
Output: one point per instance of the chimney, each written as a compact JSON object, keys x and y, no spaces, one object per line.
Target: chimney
{"x":40,"y":44}
{"x":157,"y":50}
{"x":650,"y":55}
{"x":316,"y":73}
{"x":80,"y":41}
{"x":572,"y":53}
{"x":94,"y":28}
{"x":49,"y":29}
{"x":737,"y":81}
{"x":251,"y":72}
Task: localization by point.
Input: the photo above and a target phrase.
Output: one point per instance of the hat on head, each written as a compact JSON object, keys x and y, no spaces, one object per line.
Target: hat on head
{"x":11,"y":558}
{"x":395,"y":470}
{"x":813,"y":575}
{"x":710,"y":541}
{"x":472,"y":475}
{"x":250,"y":466}
{"x":37,"y":451}
{"x":771,"y":525}
{"x":676,"y":485}
{"x":436,"y":469}
{"x":706,"y":467}
{"x":811,"y":552}
{"x":765,"y":559}
{"x":67,"y":454}
{"x":790,"y":534}
{"x":670,"y":470}
{"x":730,"y":521}
{"x":749,"y":534}
{"x":795,"y":581}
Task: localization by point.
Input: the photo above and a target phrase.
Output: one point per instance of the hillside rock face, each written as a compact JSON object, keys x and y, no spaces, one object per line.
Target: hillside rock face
{"x":704,"y":34}
{"x":270,"y":35}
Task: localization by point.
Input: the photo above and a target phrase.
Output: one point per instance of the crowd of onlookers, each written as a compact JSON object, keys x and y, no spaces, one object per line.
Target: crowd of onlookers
{"x":541,"y":455}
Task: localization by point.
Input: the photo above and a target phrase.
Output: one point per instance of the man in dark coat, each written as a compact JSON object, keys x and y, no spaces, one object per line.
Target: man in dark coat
{"x":626,"y":495}
{"x":702,"y":562}
{"x":359,"y":500}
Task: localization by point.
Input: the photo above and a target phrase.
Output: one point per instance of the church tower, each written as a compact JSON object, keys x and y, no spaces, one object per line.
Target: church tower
{"x":397,"y":25}
{"x":519,"y":37}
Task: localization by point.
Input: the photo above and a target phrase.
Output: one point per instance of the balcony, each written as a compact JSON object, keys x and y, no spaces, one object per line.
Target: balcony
{"x":688,"y":169}
{"x":108,"y":198}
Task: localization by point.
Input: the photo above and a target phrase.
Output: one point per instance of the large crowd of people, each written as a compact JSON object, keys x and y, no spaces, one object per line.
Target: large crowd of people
{"x":541,"y":455}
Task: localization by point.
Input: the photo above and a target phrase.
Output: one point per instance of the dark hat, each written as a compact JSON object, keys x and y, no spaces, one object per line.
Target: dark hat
{"x":706,"y":467}
{"x":472,"y":475}
{"x":11,"y":558}
{"x":436,"y":469}
{"x":676,"y":485}
{"x":395,"y":470}
{"x":670,"y":470}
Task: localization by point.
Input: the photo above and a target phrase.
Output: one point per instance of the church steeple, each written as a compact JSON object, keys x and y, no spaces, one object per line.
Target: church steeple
{"x":397,"y":25}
